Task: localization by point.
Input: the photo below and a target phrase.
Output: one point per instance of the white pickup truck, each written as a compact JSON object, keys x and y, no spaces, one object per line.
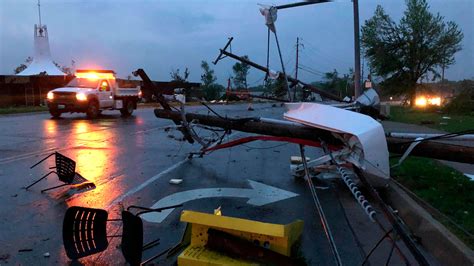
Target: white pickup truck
{"x":90,"y":92}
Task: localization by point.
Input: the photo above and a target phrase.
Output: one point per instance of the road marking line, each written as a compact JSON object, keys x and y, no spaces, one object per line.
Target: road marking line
{"x":33,"y":154}
{"x":147,"y":182}
{"x":51,"y":150}
{"x":154,"y":178}
{"x":258,"y":194}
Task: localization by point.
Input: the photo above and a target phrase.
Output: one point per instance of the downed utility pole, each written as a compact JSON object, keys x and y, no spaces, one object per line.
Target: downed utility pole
{"x":429,"y":149}
{"x":266,"y":70}
{"x":148,"y":84}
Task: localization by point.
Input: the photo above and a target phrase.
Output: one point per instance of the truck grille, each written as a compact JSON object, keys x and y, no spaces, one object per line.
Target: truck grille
{"x":64,"y":97}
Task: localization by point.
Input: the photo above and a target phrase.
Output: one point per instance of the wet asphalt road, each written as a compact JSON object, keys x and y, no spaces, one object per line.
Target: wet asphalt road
{"x":131,"y":161}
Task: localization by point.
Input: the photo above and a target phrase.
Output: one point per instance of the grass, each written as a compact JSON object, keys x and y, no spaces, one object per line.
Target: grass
{"x":22,"y":109}
{"x":446,"y":189}
{"x":456,"y":122}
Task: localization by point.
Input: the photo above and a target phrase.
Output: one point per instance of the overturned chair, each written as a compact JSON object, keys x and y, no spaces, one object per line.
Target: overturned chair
{"x":65,"y":169}
{"x":85,"y":233}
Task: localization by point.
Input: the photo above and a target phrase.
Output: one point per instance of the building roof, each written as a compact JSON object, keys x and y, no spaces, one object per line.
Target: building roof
{"x":42,"y":62}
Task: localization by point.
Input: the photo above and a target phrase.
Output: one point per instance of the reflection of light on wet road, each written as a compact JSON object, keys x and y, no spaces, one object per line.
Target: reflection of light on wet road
{"x":95,"y":160}
{"x":81,"y":127}
{"x":51,"y":127}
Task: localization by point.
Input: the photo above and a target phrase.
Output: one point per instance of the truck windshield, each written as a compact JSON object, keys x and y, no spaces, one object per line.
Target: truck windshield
{"x":83,"y":83}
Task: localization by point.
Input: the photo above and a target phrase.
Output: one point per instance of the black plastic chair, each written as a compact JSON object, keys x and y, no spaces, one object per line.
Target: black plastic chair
{"x":65,"y":170}
{"x":84,"y":233}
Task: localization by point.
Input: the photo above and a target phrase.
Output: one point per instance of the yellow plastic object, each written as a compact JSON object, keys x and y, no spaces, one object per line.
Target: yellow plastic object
{"x":276,"y":237}
{"x":200,"y":256}
{"x":218,"y":211}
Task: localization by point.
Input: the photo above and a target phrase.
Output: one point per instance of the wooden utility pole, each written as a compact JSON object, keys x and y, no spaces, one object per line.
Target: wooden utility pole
{"x":356,"y":49}
{"x":296,"y":67}
{"x":429,"y":149}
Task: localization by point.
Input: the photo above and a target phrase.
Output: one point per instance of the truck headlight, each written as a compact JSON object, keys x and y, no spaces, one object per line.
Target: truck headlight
{"x":50,"y":96}
{"x":81,"y":96}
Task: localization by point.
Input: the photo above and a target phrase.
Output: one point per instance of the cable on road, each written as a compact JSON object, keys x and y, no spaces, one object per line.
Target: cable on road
{"x":376,"y":246}
{"x":319,"y":208}
{"x":394,"y":221}
{"x":264,"y":148}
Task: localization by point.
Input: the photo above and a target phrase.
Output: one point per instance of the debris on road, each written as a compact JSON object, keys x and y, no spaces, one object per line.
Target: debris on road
{"x":4,"y":257}
{"x":176,"y":181}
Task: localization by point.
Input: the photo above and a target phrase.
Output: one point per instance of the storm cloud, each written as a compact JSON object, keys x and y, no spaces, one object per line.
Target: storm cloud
{"x":163,"y":35}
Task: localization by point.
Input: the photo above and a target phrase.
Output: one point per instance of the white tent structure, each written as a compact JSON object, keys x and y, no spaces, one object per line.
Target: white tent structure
{"x":42,"y":62}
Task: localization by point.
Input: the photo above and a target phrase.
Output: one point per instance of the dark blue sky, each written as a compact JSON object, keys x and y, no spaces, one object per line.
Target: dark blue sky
{"x":161,"y":35}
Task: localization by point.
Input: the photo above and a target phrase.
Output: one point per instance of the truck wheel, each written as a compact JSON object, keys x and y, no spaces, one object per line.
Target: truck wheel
{"x":54,"y":113}
{"x":127,"y":110}
{"x":93,"y":110}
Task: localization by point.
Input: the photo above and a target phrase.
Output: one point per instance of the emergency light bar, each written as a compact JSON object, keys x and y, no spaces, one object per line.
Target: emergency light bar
{"x":95,"y":74}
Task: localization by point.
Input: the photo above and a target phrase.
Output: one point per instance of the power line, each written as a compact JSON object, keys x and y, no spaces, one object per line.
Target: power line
{"x":313,"y":69}
{"x":320,"y":61}
{"x":315,"y":50}
{"x":311,"y":72}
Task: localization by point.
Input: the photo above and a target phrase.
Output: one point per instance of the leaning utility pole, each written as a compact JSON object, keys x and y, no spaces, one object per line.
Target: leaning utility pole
{"x":223,"y":53}
{"x":294,"y":81}
{"x":356,"y":49}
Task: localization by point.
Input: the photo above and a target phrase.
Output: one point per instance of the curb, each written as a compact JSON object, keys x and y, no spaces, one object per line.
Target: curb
{"x":435,"y":237}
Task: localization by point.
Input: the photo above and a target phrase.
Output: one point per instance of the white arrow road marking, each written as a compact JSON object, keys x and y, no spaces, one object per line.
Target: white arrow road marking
{"x":259,"y":195}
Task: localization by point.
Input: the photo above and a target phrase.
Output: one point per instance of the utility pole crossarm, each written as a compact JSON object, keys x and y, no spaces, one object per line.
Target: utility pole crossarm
{"x":221,"y":50}
{"x":311,"y":2}
{"x":147,"y":83}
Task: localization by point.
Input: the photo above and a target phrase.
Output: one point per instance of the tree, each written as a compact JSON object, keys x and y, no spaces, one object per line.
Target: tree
{"x":176,"y":76}
{"x":23,"y":66}
{"x":65,"y":69}
{"x":418,"y":46}
{"x":207,"y":77}
{"x":276,"y":87}
{"x":335,"y":84}
{"x":241,"y":71}
{"x":211,"y":90}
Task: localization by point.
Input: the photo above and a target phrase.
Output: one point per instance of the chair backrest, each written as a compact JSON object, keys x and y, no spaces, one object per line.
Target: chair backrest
{"x":84,"y":231}
{"x":65,"y":167}
{"x":132,"y":238}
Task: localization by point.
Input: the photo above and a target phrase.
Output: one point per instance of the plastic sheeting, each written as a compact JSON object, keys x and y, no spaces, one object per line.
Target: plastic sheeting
{"x":363,"y":135}
{"x":369,"y":98}
{"x":270,"y":14}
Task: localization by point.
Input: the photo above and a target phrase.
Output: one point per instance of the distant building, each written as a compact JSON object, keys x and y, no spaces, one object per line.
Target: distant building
{"x":42,"y":63}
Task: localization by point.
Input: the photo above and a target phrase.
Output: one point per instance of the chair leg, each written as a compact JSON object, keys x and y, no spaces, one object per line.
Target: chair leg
{"x":54,"y":187}
{"x":39,"y":179}
{"x":151,"y":244}
{"x":42,"y":160}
